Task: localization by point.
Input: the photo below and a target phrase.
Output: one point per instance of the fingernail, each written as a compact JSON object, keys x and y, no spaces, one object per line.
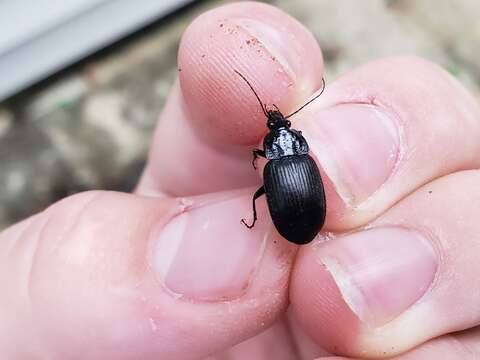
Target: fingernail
{"x":358,"y":146}
{"x":380,"y":272}
{"x":271,"y":39}
{"x":206,"y":254}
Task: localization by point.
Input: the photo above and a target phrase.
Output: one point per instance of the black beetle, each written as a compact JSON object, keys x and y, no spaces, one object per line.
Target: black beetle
{"x":292,"y":182}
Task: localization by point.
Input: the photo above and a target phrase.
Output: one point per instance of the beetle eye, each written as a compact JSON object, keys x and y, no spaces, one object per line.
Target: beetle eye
{"x":289,"y":123}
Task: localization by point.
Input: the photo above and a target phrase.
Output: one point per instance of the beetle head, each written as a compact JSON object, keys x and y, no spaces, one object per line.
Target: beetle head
{"x":276,"y":120}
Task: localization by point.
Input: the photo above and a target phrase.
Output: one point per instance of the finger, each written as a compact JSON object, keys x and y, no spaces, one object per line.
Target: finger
{"x":461,"y":346}
{"x":381,"y":131}
{"x":116,"y":276}
{"x":212,"y":119}
{"x":409,"y":277}
{"x":264,"y":346}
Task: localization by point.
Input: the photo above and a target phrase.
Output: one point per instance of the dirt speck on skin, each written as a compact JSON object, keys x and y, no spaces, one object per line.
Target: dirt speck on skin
{"x":203,"y":55}
{"x":221,"y":25}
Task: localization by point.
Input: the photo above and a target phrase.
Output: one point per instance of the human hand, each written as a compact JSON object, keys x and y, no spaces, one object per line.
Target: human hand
{"x":171,"y":273}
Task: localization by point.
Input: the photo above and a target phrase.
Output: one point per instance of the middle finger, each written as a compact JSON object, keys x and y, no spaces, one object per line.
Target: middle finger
{"x":386,"y":128}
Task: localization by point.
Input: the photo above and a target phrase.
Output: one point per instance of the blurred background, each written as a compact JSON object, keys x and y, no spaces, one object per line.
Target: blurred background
{"x":82,"y":81}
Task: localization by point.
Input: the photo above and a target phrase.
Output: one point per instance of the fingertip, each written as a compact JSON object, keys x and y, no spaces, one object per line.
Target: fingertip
{"x":278,"y":56}
{"x":318,"y":305}
{"x":212,"y":113}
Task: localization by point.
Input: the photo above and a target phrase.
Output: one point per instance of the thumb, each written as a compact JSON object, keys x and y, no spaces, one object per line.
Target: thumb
{"x":109,"y":275}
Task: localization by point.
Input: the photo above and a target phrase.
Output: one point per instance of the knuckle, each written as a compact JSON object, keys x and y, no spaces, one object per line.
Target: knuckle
{"x":410,"y":75}
{"x":65,"y":233}
{"x":57,"y":226}
{"x":64,"y":259}
{"x":411,"y":66}
{"x":85,"y":229}
{"x":415,"y":76}
{"x":70,"y":206}
{"x":60,"y":222}
{"x":26,"y":246}
{"x":413,"y":62}
{"x":82,"y":222}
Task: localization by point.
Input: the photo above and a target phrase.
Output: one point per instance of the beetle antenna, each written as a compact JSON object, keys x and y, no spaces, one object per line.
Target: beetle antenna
{"x":308,"y":102}
{"x":256,"y":95}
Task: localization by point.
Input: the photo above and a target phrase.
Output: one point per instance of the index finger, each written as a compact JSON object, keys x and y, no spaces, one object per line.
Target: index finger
{"x":212,"y":118}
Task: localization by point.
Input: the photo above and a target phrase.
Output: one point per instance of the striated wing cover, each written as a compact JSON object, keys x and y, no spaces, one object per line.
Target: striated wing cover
{"x":295,"y":197}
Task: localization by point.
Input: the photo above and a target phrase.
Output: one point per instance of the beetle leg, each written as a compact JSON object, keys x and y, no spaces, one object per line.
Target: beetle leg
{"x":257,"y":194}
{"x":256,"y":154}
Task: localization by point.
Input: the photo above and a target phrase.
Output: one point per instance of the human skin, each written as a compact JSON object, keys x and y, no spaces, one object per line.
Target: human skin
{"x":169,"y":272}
